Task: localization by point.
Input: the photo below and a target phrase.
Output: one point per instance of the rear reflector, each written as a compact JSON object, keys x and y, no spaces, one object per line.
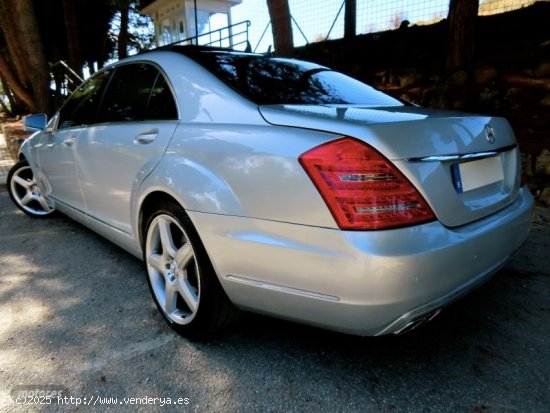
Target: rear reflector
{"x":362,"y":189}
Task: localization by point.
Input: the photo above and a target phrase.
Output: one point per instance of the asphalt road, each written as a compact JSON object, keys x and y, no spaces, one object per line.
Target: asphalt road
{"x":76,"y":315}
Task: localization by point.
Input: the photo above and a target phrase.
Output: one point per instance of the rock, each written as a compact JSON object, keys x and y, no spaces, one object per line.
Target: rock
{"x":458,"y":79}
{"x":406,"y":97}
{"x":514,"y":98}
{"x":542,"y":164}
{"x":543,"y":69}
{"x":487,"y":95}
{"x":356,"y":70}
{"x":404,"y":24}
{"x":485,"y":74}
{"x":14,"y":134}
{"x":435,"y":97}
{"x":408,"y":79}
{"x":390,"y":79}
{"x":458,"y":103}
{"x":545,"y":101}
{"x":544,"y":196}
{"x":527,"y":165}
{"x":393,"y":80}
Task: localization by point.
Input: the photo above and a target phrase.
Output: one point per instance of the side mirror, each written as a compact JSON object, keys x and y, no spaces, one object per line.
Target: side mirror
{"x":36,"y":122}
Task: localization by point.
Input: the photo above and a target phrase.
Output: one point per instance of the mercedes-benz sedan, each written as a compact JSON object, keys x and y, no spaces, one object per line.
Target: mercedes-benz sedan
{"x":281,"y":187}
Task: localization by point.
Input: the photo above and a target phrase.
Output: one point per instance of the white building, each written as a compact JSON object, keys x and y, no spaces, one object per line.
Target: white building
{"x":176,"y":20}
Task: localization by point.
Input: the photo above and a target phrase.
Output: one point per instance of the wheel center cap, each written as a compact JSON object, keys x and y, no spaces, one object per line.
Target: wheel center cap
{"x":174,"y":267}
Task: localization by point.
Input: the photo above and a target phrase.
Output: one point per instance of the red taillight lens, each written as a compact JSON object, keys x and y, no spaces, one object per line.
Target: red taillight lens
{"x":361,"y":188}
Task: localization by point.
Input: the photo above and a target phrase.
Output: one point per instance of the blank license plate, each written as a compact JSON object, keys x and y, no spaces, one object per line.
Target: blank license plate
{"x":475,"y":174}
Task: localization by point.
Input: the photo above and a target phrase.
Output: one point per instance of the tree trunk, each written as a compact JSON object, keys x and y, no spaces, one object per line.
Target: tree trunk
{"x":73,"y":38}
{"x":15,"y":85}
{"x":350,"y":18}
{"x":279,"y":13}
{"x":22,"y":35}
{"x":12,"y":37}
{"x":123,"y":33}
{"x":462,"y":34}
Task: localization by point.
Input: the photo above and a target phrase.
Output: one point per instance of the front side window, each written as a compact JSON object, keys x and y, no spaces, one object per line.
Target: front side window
{"x":81,"y":108}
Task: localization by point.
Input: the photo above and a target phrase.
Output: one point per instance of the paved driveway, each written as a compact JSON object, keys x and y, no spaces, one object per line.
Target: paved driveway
{"x":76,"y":317}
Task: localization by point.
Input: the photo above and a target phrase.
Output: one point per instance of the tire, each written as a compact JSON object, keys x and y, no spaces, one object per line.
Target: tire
{"x":26,"y":193}
{"x":181,"y":278}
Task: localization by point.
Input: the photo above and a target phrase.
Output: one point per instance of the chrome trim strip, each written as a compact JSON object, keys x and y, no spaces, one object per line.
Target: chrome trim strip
{"x":65,"y":205}
{"x":464,"y":157}
{"x":282,"y":289}
{"x":91,"y":217}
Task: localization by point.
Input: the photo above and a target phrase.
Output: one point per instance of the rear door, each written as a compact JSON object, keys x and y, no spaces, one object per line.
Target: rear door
{"x":136,"y":121}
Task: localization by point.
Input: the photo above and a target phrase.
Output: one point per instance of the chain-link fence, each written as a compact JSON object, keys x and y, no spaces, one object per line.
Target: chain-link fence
{"x":317,"y":20}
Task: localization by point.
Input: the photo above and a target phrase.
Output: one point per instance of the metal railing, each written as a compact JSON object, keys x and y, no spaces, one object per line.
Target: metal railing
{"x":224,"y":37}
{"x":65,"y":79}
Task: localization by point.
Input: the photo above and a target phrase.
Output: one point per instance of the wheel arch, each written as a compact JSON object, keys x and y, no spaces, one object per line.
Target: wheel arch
{"x":186,"y":182}
{"x":148,"y":206}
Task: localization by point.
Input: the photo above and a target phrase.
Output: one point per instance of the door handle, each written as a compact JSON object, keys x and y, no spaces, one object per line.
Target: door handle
{"x":69,"y":141}
{"x":147,"y":137}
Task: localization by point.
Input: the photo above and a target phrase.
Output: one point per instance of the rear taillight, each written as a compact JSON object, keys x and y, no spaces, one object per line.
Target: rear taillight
{"x":361,"y":188}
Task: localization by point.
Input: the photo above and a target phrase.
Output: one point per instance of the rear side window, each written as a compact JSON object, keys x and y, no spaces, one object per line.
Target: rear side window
{"x":137,"y":92}
{"x":161,"y":104}
{"x":81,"y":108}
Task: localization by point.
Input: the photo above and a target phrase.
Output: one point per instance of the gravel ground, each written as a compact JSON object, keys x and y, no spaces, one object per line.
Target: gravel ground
{"x":76,"y":315}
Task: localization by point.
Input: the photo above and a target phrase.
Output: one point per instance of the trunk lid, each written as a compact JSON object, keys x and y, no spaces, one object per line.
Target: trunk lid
{"x":466,"y":166}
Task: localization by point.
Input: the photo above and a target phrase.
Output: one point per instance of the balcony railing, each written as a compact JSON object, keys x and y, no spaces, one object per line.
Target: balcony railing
{"x":231,"y":36}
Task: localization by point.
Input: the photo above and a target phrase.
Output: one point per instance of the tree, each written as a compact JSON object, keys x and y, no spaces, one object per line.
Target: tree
{"x":74,"y":52}
{"x":123,"y":36}
{"x":462,"y":34}
{"x":350,"y":18}
{"x":130,"y":30}
{"x":30,"y":81}
{"x":37,"y":33}
{"x":279,"y":13}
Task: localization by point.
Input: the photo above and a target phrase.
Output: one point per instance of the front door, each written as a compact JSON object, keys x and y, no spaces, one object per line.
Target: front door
{"x":56,"y":157}
{"x":57,"y":149}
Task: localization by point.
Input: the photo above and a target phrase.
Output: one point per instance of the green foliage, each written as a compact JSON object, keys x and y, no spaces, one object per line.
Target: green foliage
{"x":140,"y":31}
{"x":82,"y":33}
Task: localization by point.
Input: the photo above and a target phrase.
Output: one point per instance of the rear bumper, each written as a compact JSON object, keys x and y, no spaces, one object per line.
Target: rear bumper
{"x":363,"y":283}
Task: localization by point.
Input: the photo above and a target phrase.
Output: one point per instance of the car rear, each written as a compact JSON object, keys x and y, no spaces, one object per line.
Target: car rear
{"x":423,"y":205}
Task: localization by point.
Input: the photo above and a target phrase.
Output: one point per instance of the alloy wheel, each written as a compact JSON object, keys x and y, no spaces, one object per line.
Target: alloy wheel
{"x":26,"y":192}
{"x":172,"y":269}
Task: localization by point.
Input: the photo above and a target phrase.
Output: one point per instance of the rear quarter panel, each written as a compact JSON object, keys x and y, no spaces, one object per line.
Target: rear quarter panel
{"x":241,"y":170}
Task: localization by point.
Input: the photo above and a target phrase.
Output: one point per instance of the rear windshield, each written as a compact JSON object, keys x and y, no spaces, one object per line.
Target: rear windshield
{"x":270,"y":81}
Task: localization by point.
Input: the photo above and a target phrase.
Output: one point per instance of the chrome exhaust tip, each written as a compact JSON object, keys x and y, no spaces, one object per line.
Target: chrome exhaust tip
{"x":417,"y":322}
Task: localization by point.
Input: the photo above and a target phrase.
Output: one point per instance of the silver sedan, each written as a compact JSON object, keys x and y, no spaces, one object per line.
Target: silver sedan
{"x":249,"y":182}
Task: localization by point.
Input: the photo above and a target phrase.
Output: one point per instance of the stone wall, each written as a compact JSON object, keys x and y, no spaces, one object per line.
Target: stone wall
{"x":14,"y":135}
